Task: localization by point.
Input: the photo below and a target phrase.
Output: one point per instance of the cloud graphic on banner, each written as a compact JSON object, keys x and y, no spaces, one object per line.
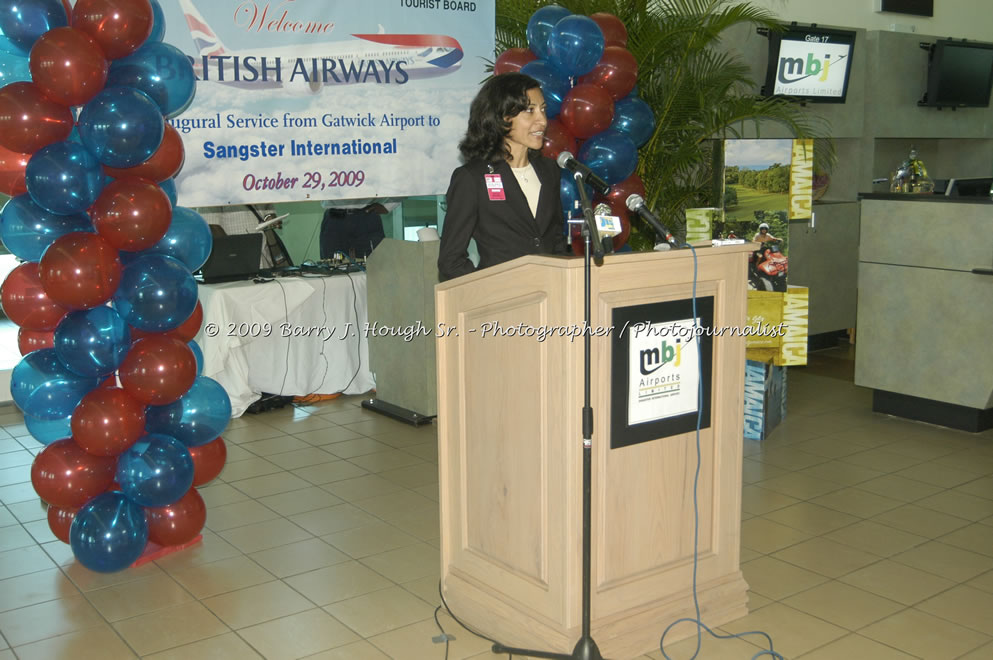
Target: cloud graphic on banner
{"x":758,"y":152}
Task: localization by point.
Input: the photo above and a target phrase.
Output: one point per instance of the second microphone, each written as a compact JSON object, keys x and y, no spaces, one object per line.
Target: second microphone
{"x":568,"y":162}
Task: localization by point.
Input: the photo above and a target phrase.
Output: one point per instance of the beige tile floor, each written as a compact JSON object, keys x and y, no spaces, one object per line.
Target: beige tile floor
{"x":863,"y":537}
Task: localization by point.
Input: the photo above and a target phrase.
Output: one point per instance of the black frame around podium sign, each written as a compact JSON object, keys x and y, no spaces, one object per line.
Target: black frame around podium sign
{"x":624,"y":320}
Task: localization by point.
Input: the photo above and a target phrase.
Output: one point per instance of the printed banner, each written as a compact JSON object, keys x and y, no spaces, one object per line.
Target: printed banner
{"x":802,"y":179}
{"x":700,"y":224}
{"x":323,"y":100}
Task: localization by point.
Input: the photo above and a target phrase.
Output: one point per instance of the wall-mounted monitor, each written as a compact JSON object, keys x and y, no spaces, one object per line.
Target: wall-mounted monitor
{"x":959,"y":74}
{"x":809,"y":63}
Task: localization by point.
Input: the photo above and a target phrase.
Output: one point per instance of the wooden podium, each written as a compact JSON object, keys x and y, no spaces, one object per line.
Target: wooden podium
{"x":510,"y":451}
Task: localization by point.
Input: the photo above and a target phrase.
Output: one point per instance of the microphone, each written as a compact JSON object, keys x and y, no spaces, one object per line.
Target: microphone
{"x":568,"y":162}
{"x":609,"y":225}
{"x":637,"y":204}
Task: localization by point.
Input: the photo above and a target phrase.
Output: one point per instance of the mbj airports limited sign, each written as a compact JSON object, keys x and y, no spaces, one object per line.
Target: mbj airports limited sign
{"x":814,"y":67}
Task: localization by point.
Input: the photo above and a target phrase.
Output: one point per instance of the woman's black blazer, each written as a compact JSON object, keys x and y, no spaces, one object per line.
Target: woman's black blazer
{"x":505,"y":229}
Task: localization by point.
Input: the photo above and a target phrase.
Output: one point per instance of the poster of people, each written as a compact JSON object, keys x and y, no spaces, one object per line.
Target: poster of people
{"x":766,"y":182}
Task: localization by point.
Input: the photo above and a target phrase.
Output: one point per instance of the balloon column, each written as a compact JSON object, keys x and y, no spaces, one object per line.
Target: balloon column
{"x":588,"y":78}
{"x":105,"y":299}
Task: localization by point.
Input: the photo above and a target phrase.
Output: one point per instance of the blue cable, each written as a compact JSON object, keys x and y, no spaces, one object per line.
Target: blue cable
{"x":701,"y":626}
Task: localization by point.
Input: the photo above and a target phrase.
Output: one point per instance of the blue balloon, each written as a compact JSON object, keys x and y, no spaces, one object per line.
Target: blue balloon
{"x":27,"y":229}
{"x":569,"y":192}
{"x":47,"y":431}
{"x":92,"y":342}
{"x":198,"y":417}
{"x":198,"y":354}
{"x":23,"y":22}
{"x":169,"y":186}
{"x":108,"y":533}
{"x":121,"y":126}
{"x":156,"y":294}
{"x":64,"y":178}
{"x":554,"y":84}
{"x":41,"y":385}
{"x":188,"y":239}
{"x":575,"y":45}
{"x":155,"y":471}
{"x":611,"y":155}
{"x":540,"y":27}
{"x":7,"y":48}
{"x":158,"y":24}
{"x":13,"y":68}
{"x":635,"y":118}
{"x":161,"y":71}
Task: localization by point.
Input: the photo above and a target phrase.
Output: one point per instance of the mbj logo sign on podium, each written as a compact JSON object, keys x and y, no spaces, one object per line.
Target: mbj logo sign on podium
{"x":663,"y":376}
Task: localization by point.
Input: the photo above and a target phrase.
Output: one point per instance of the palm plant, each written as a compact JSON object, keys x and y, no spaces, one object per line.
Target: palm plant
{"x":699,"y":93}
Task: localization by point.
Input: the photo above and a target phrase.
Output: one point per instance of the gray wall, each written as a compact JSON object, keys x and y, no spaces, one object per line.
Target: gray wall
{"x":873,"y":132}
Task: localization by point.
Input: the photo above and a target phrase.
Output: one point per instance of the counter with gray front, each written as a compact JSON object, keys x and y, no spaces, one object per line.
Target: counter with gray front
{"x":925,"y":308}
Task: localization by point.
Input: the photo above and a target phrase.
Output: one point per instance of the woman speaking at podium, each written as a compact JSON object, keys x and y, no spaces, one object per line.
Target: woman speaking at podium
{"x":506,"y":195}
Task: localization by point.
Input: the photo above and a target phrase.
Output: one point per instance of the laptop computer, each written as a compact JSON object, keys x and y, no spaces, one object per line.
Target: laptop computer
{"x":234,"y":257}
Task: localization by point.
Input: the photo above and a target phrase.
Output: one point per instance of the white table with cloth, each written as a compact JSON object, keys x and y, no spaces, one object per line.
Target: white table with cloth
{"x":292,"y":336}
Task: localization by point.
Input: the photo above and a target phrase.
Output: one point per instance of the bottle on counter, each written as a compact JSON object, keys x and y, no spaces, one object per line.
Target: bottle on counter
{"x":912,"y":176}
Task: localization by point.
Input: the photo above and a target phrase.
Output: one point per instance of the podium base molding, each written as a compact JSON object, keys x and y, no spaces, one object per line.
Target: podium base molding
{"x":626,"y":634}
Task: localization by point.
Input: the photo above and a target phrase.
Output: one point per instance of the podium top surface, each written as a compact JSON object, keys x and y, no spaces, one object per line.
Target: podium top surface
{"x":572,"y":262}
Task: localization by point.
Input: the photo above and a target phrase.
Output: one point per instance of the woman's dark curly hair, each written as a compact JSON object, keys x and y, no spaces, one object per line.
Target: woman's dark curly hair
{"x":500,"y":97}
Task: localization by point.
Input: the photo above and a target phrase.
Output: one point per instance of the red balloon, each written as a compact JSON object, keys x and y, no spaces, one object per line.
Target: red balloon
{"x":107,"y":421}
{"x":59,"y":521}
{"x":158,"y":370}
{"x":558,"y":139}
{"x":186,"y":331}
{"x":189,"y":328}
{"x":119,"y":26}
{"x":633,"y":185}
{"x":164,"y":164}
{"x":25,"y":301}
{"x":616,"y":72}
{"x":34,"y":340}
{"x":512,"y":59}
{"x":208,"y":460}
{"x":80,"y":270}
{"x":68,"y":66}
{"x":66,"y":476}
{"x":29,"y":120}
{"x":587,"y":110}
{"x":179,"y":522}
{"x":12,"y":166}
{"x":132,"y":214}
{"x":614,"y":32}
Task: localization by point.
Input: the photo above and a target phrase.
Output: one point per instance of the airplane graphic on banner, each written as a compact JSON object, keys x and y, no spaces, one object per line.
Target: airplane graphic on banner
{"x":366,"y":58}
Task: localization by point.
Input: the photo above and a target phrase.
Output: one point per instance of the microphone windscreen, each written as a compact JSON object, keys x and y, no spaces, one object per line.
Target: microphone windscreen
{"x":634,"y":201}
{"x":564,"y":159}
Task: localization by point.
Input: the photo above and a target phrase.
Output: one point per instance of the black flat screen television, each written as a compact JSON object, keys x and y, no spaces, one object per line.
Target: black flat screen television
{"x":959,"y":75}
{"x":809,"y":63}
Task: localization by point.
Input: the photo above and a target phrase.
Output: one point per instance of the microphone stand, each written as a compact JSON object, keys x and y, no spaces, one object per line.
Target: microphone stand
{"x":589,"y":225}
{"x":586,"y":648}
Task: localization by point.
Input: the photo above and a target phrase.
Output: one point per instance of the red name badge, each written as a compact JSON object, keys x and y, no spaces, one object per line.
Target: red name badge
{"x":494,"y":187}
